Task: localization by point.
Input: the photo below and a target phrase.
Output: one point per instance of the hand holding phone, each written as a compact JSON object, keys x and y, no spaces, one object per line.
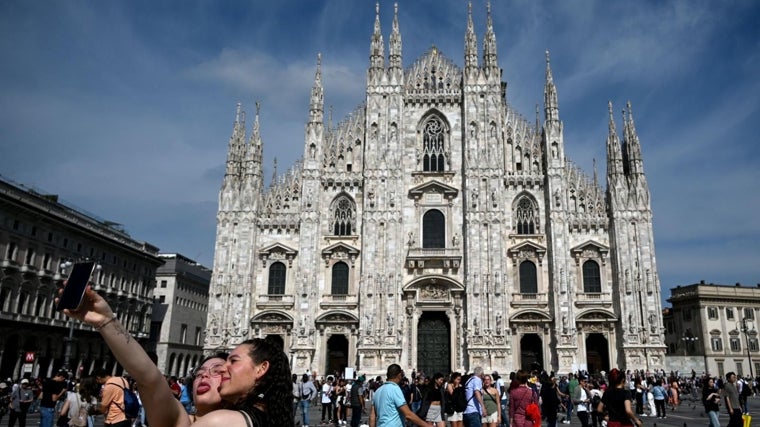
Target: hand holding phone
{"x":76,"y":284}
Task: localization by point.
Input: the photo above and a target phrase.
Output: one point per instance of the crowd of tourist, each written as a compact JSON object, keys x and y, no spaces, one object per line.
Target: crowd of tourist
{"x":252,"y":386}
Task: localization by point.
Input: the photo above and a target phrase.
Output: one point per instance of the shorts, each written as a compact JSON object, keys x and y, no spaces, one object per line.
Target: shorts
{"x":492,"y":418}
{"x":456,"y":416}
{"x":434,"y":414}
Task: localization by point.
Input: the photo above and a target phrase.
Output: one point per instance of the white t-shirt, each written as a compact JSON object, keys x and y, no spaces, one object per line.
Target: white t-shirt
{"x":582,"y":406}
{"x":326,"y":389}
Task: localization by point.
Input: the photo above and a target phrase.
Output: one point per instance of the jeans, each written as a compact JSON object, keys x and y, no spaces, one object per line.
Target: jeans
{"x":46,"y":416}
{"x":416,"y":406}
{"x":713,"y":418}
{"x":583,"y":417}
{"x":305,"y":412}
{"x":472,"y":419}
{"x":505,"y":413}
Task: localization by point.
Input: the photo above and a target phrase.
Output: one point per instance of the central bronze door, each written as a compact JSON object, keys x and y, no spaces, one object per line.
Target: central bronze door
{"x":433,"y":343}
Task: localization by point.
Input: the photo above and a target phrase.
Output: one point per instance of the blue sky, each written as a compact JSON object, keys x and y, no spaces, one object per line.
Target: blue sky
{"x":124,"y":108}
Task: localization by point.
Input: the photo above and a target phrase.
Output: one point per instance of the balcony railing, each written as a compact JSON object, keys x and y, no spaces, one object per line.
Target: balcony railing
{"x":593,"y":298}
{"x":346,"y":301}
{"x":275,"y":301}
{"x":537,"y":299}
{"x":446,"y":258}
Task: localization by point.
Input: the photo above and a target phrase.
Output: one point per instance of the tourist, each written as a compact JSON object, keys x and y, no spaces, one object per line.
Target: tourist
{"x":492,"y":402}
{"x":389,"y":408}
{"x":356,"y":400}
{"x":659,"y":393}
{"x":473,"y":392}
{"x":711,"y":401}
{"x":21,"y":399}
{"x":327,"y":400}
{"x":616,"y":402}
{"x":454,"y":417}
{"x":206,"y":381}
{"x":306,"y":392}
{"x":520,"y":396}
{"x":731,"y":398}
{"x":581,"y":400}
{"x":550,"y":400}
{"x":255,"y":379}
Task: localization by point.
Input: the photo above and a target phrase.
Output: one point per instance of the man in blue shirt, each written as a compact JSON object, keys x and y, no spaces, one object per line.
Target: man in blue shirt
{"x":473,"y":392}
{"x":389,"y":408}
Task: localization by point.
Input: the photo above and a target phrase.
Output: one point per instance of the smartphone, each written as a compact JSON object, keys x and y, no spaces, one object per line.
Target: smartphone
{"x":73,"y":292}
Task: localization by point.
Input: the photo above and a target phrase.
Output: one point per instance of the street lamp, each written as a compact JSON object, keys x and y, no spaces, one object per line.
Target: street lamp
{"x":689,"y":339}
{"x":745,"y":328}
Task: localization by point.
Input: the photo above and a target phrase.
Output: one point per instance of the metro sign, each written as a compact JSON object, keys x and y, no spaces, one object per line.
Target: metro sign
{"x":29,"y":357}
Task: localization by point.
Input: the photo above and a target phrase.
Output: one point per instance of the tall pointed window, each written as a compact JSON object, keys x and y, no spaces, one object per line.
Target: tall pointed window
{"x":276,"y":279}
{"x":528,"y":278}
{"x":433,"y":145}
{"x":340,"y":278}
{"x":433,"y":229}
{"x":592,"y":280}
{"x":526,"y":216}
{"x":344,"y":216}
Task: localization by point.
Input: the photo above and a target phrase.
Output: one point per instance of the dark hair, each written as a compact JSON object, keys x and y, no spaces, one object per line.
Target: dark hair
{"x":454,"y":376}
{"x":100,"y":373}
{"x":522,"y":377}
{"x":218,"y":355}
{"x":616,"y":377}
{"x":88,"y":388}
{"x":394,"y":370}
{"x":274,"y":389}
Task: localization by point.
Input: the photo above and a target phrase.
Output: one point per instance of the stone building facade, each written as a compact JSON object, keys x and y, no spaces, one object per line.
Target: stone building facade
{"x":180,"y":307}
{"x":714,"y":328}
{"x":437,"y":228}
{"x":38,"y":235}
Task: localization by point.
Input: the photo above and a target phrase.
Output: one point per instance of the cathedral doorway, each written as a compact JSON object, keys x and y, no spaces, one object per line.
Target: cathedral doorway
{"x":337,"y":354}
{"x":433,"y":343}
{"x":277,"y":339}
{"x":597,"y":353}
{"x":531,"y":352}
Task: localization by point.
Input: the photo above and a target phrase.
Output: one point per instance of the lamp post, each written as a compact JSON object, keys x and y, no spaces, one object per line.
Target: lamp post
{"x":689,"y":339}
{"x":745,"y":328}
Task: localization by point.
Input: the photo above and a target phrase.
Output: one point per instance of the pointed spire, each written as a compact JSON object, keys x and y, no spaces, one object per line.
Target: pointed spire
{"x":551,"y":105}
{"x":538,"y":119}
{"x":632,"y":146}
{"x":489,"y":43}
{"x":596,"y":174}
{"x":470,"y":43}
{"x":255,"y":140}
{"x":614,"y":154}
{"x":236,"y":144}
{"x":395,"y":42}
{"x":316,"y":105}
{"x":274,"y":173}
{"x":376,"y":51}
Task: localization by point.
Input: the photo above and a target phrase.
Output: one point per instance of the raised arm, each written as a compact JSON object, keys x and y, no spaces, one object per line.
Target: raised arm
{"x":161,"y":408}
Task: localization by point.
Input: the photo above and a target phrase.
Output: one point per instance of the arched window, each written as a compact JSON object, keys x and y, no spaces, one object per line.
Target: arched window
{"x":592,"y":280}
{"x":340,"y":278}
{"x":344,"y":215}
{"x":433,"y":229}
{"x":276,"y":279}
{"x":528,"y":278}
{"x":526,"y":216}
{"x":433,"y":145}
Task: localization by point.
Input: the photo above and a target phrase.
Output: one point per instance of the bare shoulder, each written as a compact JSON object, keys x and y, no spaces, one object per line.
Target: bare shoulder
{"x":220,"y":417}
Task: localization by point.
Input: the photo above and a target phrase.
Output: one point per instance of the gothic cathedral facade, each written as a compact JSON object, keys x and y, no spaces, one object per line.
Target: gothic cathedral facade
{"x":437,"y":228}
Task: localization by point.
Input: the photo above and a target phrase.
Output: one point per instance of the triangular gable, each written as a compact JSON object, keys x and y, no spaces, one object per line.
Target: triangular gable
{"x":278,"y":247}
{"x":340,"y":247}
{"x":590,"y":245}
{"x":337,"y":317}
{"x":434,"y":186}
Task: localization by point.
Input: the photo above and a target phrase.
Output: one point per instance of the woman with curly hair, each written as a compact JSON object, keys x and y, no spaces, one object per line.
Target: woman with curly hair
{"x":254,"y":380}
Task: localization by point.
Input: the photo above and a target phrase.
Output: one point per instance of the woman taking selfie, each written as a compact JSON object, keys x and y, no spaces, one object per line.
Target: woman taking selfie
{"x":254,"y":381}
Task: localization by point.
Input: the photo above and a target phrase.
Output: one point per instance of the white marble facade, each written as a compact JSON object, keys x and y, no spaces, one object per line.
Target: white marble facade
{"x":434,"y":224}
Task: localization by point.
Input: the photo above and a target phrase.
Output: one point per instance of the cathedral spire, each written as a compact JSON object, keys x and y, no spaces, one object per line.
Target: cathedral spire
{"x":376,"y":51}
{"x":489,"y":44}
{"x":395,"y":42}
{"x":551,"y":105}
{"x":470,"y":44}
{"x":632,"y":146}
{"x":274,"y":173}
{"x":316,"y":105}
{"x":236,"y":144}
{"x":614,"y":154}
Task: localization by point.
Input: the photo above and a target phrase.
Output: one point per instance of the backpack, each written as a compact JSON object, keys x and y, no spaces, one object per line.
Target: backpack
{"x":595,"y":402}
{"x":459,"y":398}
{"x":746,"y":390}
{"x":131,"y":405}
{"x":80,"y":418}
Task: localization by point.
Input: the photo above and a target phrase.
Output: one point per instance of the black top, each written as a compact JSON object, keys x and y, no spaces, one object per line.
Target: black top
{"x":614,"y":403}
{"x":549,"y":399}
{"x":49,"y":388}
{"x":714,"y":403}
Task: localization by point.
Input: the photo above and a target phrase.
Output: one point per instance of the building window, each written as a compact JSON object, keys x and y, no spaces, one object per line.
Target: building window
{"x":29,"y":256}
{"x":162,"y":299}
{"x":340,"y":278}
{"x":183,"y":334}
{"x":721,"y":371}
{"x":528,"y":278}
{"x":592,"y":281}
{"x":198,"y":335}
{"x":433,"y":229}
{"x":526,"y":215}
{"x":739,"y":369}
{"x":686,"y":314}
{"x":433,"y":145}
{"x":4,"y":298}
{"x":729,"y":313}
{"x":736,"y":344}
{"x":344,"y":216}
{"x":712,"y":313}
{"x":276,"y":279}
{"x":163,"y":283}
{"x":716,"y":344}
{"x":12,"y":251}
{"x":753,"y":344}
{"x":749,"y":313}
